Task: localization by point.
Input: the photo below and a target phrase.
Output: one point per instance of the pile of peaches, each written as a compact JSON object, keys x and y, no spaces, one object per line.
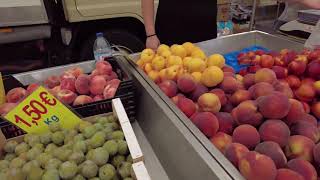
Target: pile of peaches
{"x":263,"y":120}
{"x":72,"y":87}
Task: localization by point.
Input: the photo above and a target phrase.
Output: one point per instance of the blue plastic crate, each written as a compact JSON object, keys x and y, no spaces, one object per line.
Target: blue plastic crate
{"x":231,"y":58}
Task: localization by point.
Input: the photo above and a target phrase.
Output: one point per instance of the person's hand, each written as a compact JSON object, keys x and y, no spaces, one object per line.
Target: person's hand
{"x":152,"y":42}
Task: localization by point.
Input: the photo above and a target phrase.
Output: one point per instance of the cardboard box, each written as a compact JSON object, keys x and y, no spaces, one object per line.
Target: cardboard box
{"x":223,"y":12}
{"x":223,"y":2}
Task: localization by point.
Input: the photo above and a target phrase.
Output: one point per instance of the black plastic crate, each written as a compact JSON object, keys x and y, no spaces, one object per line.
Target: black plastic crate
{"x":125,"y":91}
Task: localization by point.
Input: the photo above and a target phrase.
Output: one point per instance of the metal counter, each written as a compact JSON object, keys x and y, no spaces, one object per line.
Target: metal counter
{"x":220,"y":45}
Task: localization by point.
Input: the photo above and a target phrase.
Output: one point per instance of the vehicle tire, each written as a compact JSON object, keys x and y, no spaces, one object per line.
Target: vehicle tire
{"x":115,"y":37}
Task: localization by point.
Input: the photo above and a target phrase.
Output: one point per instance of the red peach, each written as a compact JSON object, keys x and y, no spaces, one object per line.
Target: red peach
{"x":97,"y":85}
{"x":76,"y":72}
{"x":306,"y":107}
{"x":209,"y":102}
{"x":169,"y":88}
{"x":297,"y":67}
{"x":112,"y":76}
{"x":257,"y":60}
{"x":308,"y":118}
{"x":15,"y":95}
{"x":274,"y":151}
{"x":244,"y":61}
{"x":243,"y":72}
{"x":226,"y":122}
{"x":6,"y":107}
{"x":304,"y":168}
{"x":207,"y":123}
{"x":220,"y":93}
{"x":278,"y":61}
{"x":247,"y":113}
{"x":248,"y":80}
{"x":300,"y":147}
{"x":261,"y":89}
{"x":66,"y":75}
{"x":290,"y":56}
{"x":94,"y":73}
{"x":254,"y":69}
{"x":274,"y":106}
{"x":111,"y":88}
{"x":186,"y":83}
{"x":276,"y":131}
{"x":186,"y":106}
{"x":314,"y":55}
{"x":284,"y":88}
{"x":103,"y":67}
{"x":316,"y":109}
{"x":98,"y":98}
{"x":313,"y":69}
{"x":267,"y":61}
{"x":176,"y":98}
{"x":221,"y":141}
{"x":32,"y":87}
{"x":198,"y":91}
{"x":66,"y":96}
{"x":306,"y":129}
{"x":228,"y":107}
{"x":68,"y":84}
{"x":54,"y":91}
{"x":234,"y":152}
{"x":82,"y":84}
{"x":265,"y":75}
{"x":296,"y":111}
{"x":255,"y":166}
{"x":308,"y":81}
{"x":229,"y":84}
{"x":316,"y":86}
{"x":287,"y":174}
{"x":293,"y":81}
{"x":240,"y":96}
{"x":305,"y":93}
{"x":228,"y":74}
{"x":316,"y":154}
{"x":281,"y":72}
{"x":228,"y":69}
{"x":52,"y":81}
{"x":246,"y":135}
{"x":260,"y":52}
{"x":82,"y":99}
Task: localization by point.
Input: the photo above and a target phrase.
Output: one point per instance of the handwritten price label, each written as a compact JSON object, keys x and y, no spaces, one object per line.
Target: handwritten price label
{"x":39,"y":110}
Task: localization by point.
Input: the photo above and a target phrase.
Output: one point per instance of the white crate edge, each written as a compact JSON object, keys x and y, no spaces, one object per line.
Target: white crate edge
{"x":125,"y":124}
{"x":140,"y":171}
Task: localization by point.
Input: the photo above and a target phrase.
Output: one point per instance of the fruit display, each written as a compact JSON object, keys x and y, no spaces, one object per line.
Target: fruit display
{"x":72,"y":87}
{"x":92,"y":150}
{"x":264,"y":120}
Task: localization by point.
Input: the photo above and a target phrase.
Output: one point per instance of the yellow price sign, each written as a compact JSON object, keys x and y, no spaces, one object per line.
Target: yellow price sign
{"x":2,"y":91}
{"x":39,"y":110}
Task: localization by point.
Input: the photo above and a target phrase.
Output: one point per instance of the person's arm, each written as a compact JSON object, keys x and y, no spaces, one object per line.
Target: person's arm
{"x":310,"y":3}
{"x":148,"y":17}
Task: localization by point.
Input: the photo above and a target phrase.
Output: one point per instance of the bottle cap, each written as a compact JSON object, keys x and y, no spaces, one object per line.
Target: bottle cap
{"x":99,"y":34}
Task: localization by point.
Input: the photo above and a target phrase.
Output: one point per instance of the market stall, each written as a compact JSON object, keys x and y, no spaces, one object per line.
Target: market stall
{"x":178,"y":136}
{"x":176,"y":95}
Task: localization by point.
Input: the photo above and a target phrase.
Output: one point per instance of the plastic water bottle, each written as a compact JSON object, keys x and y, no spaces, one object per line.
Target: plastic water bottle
{"x":101,"y":47}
